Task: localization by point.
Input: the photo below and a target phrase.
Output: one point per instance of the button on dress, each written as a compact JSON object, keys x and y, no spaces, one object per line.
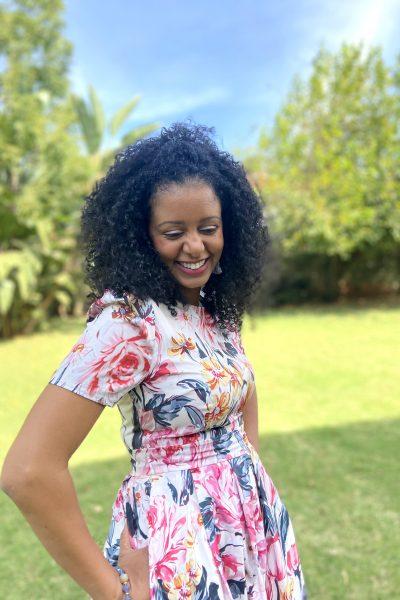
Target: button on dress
{"x":197,"y":493}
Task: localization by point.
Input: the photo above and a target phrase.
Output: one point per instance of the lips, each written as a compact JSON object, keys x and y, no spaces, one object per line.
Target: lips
{"x":188,"y":262}
{"x":191,"y":271}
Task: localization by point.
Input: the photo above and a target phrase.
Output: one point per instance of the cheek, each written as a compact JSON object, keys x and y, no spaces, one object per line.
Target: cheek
{"x":165,"y":248}
{"x":220,"y":240}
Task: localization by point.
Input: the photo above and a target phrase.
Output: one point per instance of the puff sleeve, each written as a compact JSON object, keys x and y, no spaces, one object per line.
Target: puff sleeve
{"x":116,"y":352}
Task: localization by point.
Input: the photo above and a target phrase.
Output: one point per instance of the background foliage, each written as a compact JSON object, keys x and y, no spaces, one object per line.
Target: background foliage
{"x":329,"y":173}
{"x":50,"y":155}
{"x":327,"y":170}
{"x":42,"y":175}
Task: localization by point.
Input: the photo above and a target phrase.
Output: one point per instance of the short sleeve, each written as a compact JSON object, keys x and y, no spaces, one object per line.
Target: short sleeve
{"x":116,"y":352}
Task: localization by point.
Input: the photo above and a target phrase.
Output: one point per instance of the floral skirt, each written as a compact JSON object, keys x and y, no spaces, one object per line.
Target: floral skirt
{"x":212,"y":519}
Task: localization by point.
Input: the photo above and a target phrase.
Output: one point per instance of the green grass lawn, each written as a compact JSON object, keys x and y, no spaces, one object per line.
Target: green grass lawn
{"x":328,"y":383}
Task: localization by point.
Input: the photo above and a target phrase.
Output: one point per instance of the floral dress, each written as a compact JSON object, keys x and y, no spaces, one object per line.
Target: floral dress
{"x":197,"y":493}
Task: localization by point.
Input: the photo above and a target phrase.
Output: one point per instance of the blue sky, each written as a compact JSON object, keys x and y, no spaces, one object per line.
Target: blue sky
{"x":225,"y":63}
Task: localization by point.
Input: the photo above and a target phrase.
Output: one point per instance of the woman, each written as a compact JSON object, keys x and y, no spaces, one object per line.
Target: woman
{"x":174,"y":246}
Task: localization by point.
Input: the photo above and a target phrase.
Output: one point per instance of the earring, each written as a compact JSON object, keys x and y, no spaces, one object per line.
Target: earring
{"x":217,"y":269}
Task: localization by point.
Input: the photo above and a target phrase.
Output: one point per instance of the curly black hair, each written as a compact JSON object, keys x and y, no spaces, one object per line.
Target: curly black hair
{"x":118,"y":251}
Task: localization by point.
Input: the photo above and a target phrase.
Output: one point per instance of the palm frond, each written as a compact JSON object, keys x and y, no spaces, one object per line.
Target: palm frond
{"x":122,"y":114}
{"x":89,"y":121}
{"x":139,"y":132}
{"x":98,"y":111}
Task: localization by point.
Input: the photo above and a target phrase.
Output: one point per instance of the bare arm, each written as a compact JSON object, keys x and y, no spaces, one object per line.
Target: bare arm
{"x":35,"y":475}
{"x":250,"y":415}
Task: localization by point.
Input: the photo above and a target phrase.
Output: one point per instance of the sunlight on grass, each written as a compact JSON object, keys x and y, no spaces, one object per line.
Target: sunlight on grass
{"x":325,"y":368}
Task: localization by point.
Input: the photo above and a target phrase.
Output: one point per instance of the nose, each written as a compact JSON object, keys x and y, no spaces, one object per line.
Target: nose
{"x":193,"y":245}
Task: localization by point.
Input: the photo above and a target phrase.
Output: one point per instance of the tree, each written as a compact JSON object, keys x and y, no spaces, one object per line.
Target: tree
{"x":42,"y":176}
{"x":329,"y":173}
{"x":93,"y":128}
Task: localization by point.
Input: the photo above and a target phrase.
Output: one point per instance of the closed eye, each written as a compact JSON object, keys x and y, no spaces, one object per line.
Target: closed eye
{"x":209,"y":230}
{"x":206,"y":230}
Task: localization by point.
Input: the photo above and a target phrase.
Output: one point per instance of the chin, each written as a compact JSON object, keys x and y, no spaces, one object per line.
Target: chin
{"x":193,"y":284}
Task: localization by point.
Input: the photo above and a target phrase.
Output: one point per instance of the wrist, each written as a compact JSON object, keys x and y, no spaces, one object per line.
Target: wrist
{"x":118,"y":593}
{"x":112,"y":591}
{"x":115,"y":593}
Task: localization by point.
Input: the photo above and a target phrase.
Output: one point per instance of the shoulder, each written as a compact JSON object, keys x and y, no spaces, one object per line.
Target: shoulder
{"x":117,"y":350}
{"x":126,"y":308}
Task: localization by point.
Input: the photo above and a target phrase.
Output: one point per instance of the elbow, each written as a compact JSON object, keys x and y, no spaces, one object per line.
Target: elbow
{"x":15,"y":480}
{"x":6,"y":477}
{"x":8,"y":487}
{"x":10,"y":479}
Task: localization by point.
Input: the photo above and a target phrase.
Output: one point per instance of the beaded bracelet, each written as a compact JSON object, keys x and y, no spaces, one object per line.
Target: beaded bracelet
{"x":126,"y":586}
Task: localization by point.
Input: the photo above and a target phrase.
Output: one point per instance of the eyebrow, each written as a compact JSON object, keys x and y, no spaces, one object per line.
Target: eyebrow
{"x":183,"y":222}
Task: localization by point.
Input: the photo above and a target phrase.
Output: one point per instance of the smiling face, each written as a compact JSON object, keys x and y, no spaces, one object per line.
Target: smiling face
{"x":186,"y":231}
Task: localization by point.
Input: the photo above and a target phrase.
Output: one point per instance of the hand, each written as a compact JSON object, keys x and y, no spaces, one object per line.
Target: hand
{"x":135,"y":563}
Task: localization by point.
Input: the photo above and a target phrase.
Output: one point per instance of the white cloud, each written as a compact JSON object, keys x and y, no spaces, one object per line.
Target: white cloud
{"x":151,"y":107}
{"x":157,"y":107}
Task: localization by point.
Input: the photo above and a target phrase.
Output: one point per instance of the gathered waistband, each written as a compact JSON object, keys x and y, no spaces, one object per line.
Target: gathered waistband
{"x":190,"y":451}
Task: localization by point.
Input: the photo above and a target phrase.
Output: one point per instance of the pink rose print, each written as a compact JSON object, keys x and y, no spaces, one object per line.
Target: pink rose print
{"x":120,"y":360}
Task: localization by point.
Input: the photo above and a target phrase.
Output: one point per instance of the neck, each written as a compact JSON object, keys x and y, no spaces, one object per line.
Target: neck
{"x":192,"y":296}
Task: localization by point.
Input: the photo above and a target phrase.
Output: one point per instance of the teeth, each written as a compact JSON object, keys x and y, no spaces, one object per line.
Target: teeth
{"x":193,"y":265}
